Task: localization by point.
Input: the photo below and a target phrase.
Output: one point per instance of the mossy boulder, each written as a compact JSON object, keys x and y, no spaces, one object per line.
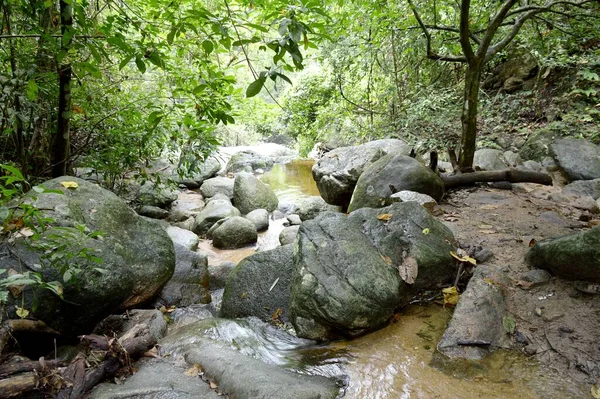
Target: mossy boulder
{"x":137,"y":255}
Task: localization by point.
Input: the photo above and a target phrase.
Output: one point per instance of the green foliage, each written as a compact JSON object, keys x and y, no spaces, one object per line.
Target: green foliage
{"x":63,"y":250}
{"x":303,"y":105}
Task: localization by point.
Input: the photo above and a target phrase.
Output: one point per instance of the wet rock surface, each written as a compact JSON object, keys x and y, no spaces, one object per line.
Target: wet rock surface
{"x":189,"y":283}
{"x":394,"y":173}
{"x":337,"y":172}
{"x":260,"y":286}
{"x":351,"y":273}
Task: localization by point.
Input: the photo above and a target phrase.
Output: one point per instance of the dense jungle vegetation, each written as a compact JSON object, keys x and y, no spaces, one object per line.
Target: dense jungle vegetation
{"x":114,"y":84}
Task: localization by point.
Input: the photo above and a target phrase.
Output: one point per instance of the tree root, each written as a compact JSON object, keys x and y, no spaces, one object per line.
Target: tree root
{"x":508,"y":175}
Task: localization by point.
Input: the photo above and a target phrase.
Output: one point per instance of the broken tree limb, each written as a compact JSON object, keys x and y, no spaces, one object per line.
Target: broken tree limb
{"x":17,"y":385}
{"x":508,"y":175}
{"x":22,"y":367}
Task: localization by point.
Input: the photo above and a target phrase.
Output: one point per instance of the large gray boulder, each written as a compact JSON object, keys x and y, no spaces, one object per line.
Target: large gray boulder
{"x":249,"y":194}
{"x":311,"y":207}
{"x":233,"y":232}
{"x":183,"y":237}
{"x":159,"y":195}
{"x":404,"y":173}
{"x":476,"y":327}
{"x":490,"y":159}
{"x":219,"y":184}
{"x":208,"y":169}
{"x":351,"y":273}
{"x":572,"y":257}
{"x":156,"y":379}
{"x":259,"y":285}
{"x":211,"y":214}
{"x":537,"y":146}
{"x":578,"y":158}
{"x":249,"y":161}
{"x":513,"y":74}
{"x":257,"y":368}
{"x":137,"y":257}
{"x":288,"y":235}
{"x":583,"y":188}
{"x":337,"y":172}
{"x":260,"y":218}
{"x":189,"y":284}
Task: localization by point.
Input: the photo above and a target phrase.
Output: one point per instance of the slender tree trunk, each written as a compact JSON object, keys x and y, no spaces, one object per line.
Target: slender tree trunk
{"x":40,"y":145}
{"x":18,"y":135}
{"x":60,"y":153}
{"x":469,"y":116}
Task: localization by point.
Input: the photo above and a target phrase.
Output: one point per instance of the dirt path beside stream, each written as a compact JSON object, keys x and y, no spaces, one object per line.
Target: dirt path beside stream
{"x":560,"y":324}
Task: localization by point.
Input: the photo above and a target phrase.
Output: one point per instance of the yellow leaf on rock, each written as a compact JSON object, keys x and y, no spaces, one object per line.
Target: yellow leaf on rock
{"x":384,"y":217}
{"x":426,"y":231}
{"x":451,"y":296}
{"x":596,"y":391}
{"x":388,"y":261}
{"x":463,"y":258}
{"x":69,"y":184}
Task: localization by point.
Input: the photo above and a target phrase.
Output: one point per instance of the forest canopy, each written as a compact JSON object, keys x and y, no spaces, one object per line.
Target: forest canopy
{"x":114,"y":85}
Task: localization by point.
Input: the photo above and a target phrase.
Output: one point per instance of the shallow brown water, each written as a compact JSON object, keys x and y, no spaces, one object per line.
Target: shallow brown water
{"x":292,"y":181}
{"x":400,"y":361}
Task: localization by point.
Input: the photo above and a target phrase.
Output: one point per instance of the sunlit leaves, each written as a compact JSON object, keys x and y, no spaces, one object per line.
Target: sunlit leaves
{"x":32,"y":90}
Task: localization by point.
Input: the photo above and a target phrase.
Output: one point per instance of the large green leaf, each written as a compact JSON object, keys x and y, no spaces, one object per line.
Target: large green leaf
{"x":255,"y":87}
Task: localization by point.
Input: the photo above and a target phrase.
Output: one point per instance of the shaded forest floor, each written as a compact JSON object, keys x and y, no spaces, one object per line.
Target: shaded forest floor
{"x":558,"y":322}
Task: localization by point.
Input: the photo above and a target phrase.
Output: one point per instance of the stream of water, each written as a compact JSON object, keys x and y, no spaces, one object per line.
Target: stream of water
{"x":399,"y":361}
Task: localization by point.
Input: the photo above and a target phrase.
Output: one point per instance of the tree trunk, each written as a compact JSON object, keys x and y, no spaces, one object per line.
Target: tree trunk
{"x":18,"y":136}
{"x":60,"y":153}
{"x":469,"y":115}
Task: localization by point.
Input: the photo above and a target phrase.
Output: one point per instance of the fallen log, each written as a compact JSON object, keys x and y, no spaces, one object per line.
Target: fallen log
{"x":117,"y":353}
{"x":508,"y":175}
{"x":17,"y":385}
{"x":22,"y":367}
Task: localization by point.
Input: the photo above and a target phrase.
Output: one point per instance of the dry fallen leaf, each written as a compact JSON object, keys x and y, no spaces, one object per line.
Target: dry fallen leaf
{"x":487,"y":231}
{"x":524,"y":284}
{"x":213,"y":385}
{"x":193,"y":371}
{"x":276,"y":316}
{"x":409,"y":269}
{"x":451,"y":296}
{"x":463,"y":258}
{"x":151,"y":353}
{"x":25,"y":232}
{"x":69,"y":184}
{"x":15,"y":290}
{"x":532,"y":242}
{"x":387,"y":260}
{"x":384,"y":217}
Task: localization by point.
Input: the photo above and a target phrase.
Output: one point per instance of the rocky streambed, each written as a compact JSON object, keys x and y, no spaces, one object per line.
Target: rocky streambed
{"x":240,"y":292}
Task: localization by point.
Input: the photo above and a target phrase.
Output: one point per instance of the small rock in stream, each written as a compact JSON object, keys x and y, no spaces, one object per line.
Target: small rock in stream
{"x":483,"y":255}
